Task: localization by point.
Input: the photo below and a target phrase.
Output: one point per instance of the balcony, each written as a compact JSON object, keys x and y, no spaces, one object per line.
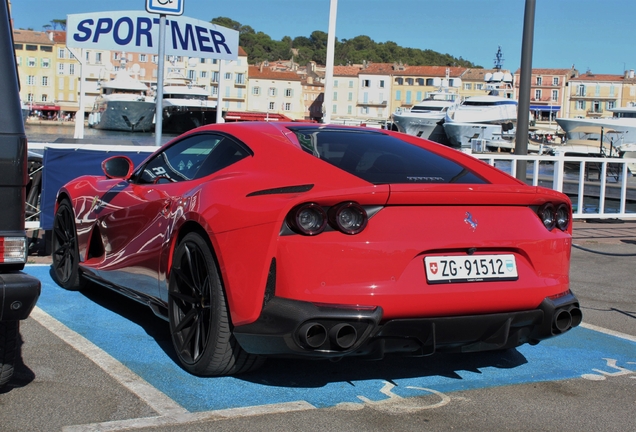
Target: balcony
{"x":373,"y":103}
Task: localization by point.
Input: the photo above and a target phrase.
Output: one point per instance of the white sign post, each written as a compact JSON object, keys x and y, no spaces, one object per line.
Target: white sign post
{"x":162,"y":7}
{"x":137,"y":31}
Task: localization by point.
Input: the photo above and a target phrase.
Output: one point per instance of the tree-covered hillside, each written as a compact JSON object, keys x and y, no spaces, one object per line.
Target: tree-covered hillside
{"x":260,"y":47}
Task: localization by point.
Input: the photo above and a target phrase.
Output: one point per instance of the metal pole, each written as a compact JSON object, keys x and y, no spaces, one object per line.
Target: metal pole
{"x":523,"y":110}
{"x":219,"y":97}
{"x":79,"y":115}
{"x":159,"y":95}
{"x":331,"y":42}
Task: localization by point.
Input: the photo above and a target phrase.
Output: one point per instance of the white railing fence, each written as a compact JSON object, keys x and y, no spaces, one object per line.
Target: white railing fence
{"x":600,"y":188}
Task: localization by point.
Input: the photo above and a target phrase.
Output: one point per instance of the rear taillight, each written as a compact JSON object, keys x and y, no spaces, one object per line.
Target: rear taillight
{"x":348,"y":217}
{"x":563,"y":217}
{"x":546,"y":213}
{"x":310,"y":218}
{"x":13,"y":250}
{"x":552,"y":216}
{"x":307,"y":219}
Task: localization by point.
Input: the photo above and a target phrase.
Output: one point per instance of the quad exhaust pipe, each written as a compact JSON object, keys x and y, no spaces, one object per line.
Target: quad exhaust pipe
{"x":313,"y":335}
{"x":343,"y":335}
{"x":565,"y":319}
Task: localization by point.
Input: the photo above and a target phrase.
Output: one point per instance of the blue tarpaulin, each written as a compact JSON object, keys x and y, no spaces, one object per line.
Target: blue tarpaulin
{"x":63,"y":165}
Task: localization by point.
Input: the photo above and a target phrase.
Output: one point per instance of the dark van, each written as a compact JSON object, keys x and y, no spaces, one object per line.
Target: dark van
{"x":18,"y":291}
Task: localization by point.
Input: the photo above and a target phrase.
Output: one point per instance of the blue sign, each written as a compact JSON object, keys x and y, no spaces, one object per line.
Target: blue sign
{"x":165,"y":7}
{"x":138,"y":31}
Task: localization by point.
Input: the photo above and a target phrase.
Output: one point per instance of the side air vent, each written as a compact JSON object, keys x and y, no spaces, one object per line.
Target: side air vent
{"x":282,"y":190}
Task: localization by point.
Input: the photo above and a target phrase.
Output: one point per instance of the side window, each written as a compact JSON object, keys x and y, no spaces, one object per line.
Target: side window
{"x":192,"y":158}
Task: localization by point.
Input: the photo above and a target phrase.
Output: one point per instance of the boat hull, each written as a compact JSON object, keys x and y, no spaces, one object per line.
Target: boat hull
{"x":128,"y":116}
{"x":623,"y":126}
{"x":179,"y":119}
{"x":429,"y":127}
{"x":463,"y":134}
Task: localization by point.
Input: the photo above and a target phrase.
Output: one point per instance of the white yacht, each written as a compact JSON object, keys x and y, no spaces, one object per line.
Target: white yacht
{"x":425,"y":118}
{"x":489,"y":120}
{"x":590,"y":141}
{"x":185,"y":105}
{"x":123,"y":105}
{"x":623,"y":120}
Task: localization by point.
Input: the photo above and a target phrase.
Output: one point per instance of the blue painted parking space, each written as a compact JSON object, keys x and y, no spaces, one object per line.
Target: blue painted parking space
{"x":133,"y":335}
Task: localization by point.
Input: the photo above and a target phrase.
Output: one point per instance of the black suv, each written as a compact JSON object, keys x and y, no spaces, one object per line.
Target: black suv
{"x":18,"y":291}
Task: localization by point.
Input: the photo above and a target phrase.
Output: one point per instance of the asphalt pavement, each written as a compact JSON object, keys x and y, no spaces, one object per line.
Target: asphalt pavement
{"x":584,"y":380}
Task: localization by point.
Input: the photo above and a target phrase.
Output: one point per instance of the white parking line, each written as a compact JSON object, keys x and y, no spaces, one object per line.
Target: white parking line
{"x":157,"y":400}
{"x":170,"y":413}
{"x":609,"y":332}
{"x":181,"y":419}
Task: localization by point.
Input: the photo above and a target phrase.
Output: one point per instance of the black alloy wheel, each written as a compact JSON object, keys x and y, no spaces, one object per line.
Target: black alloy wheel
{"x":65,"y":256}
{"x":199,"y":321}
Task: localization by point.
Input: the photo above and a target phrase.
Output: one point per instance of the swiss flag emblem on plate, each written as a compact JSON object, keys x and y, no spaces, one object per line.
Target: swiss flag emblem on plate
{"x":433,"y":267}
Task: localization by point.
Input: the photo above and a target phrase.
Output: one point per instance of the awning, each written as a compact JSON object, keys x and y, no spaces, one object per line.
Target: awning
{"x":552,"y":108}
{"x":72,"y":108}
{"x":254,"y":116}
{"x":43,"y":107}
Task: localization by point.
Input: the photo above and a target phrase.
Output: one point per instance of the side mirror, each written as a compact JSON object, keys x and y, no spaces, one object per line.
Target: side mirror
{"x":118,"y":167}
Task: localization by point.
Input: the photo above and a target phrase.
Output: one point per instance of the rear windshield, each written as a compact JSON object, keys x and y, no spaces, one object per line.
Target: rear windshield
{"x":379,"y":158}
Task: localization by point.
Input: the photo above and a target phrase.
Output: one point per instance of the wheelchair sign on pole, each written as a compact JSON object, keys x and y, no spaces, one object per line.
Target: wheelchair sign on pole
{"x":165,"y":7}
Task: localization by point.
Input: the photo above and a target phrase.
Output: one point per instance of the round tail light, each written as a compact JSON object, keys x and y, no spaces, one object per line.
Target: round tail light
{"x":348,"y":217}
{"x":547,"y":214}
{"x":307,"y":219}
{"x":563,"y":217}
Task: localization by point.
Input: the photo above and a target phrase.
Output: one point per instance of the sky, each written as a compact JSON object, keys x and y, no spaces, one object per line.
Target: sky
{"x":588,"y":34}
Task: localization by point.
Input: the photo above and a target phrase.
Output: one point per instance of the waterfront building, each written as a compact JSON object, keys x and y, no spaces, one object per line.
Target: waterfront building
{"x":67,"y":72}
{"x":274,"y":92}
{"x":204,"y":72}
{"x":548,"y":92}
{"x":594,"y":95}
{"x":35,"y":57}
{"x":374,"y":92}
{"x":98,"y":68}
{"x":142,"y":66}
{"x":628,"y":94}
{"x":412,"y":84}
{"x":313,"y":80}
{"x":346,"y":88}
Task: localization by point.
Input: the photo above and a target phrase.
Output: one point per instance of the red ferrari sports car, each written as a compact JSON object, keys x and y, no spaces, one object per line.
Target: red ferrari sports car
{"x":260,"y":239}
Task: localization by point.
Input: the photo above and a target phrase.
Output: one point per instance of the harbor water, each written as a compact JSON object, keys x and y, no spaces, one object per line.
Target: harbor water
{"x":50,"y":132}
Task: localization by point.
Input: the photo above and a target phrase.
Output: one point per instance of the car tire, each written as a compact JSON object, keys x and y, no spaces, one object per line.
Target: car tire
{"x":65,"y":254}
{"x":199,"y":321}
{"x":8,"y":349}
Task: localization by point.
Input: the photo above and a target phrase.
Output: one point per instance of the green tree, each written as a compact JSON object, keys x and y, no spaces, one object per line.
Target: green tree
{"x":61,"y":23}
{"x":260,"y":46}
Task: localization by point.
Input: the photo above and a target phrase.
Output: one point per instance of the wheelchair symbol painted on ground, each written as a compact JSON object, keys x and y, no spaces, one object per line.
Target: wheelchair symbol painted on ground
{"x":601,"y":375}
{"x":396,"y":404}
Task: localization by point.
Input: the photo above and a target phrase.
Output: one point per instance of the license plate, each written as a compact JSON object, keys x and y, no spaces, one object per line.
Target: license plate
{"x":470,"y":268}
